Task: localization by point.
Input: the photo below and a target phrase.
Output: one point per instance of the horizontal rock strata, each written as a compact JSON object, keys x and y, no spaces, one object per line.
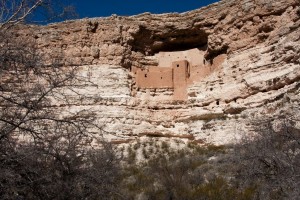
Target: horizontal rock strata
{"x":258,"y":77}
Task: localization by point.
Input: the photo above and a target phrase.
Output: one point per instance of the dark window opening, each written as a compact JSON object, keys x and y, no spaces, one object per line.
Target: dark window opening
{"x":211,"y":89}
{"x":177,"y":65}
{"x":160,"y":77}
{"x":218,"y":103}
{"x":145,"y":75}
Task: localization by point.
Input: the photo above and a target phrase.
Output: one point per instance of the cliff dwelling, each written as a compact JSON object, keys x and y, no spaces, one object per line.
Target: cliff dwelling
{"x":176,"y":70}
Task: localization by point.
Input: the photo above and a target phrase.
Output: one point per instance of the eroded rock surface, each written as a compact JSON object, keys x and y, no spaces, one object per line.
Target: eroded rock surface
{"x":250,"y":55}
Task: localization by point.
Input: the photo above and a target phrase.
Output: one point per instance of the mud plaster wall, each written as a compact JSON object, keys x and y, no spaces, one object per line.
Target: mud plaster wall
{"x":181,"y":74}
{"x":154,"y":77}
{"x":176,"y":70}
{"x":193,"y":56}
{"x":199,"y":72}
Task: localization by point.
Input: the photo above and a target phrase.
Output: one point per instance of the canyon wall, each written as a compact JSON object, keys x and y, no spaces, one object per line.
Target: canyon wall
{"x":243,"y":59}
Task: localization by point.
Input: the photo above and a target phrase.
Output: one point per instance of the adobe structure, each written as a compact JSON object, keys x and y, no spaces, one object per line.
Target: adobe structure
{"x":176,"y":70}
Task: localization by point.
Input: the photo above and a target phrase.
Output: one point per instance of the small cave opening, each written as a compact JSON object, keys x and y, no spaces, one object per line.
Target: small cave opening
{"x":179,"y":42}
{"x":150,"y":42}
{"x":211,"y":54}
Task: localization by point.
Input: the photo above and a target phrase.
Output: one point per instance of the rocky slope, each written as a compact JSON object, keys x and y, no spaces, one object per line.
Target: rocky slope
{"x":258,"y":77}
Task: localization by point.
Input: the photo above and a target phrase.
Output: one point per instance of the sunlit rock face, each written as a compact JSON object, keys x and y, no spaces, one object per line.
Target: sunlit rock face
{"x":239,"y":61}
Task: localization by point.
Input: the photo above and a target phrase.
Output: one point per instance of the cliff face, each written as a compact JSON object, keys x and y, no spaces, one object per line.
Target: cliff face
{"x":240,"y":62}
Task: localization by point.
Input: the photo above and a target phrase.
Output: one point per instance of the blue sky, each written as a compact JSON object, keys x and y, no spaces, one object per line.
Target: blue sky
{"x":100,"y":8}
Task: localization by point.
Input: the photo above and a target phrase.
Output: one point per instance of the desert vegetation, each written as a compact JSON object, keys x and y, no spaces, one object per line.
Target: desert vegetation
{"x":46,"y":155}
{"x":264,"y":166}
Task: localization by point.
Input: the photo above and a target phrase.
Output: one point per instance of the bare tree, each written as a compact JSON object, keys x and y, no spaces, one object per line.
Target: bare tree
{"x":45,"y":153}
{"x":271,"y":159}
{"x":13,"y":12}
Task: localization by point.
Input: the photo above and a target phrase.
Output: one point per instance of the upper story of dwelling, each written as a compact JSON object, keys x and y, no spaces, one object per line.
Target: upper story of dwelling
{"x":175,"y":69}
{"x":194,"y":57}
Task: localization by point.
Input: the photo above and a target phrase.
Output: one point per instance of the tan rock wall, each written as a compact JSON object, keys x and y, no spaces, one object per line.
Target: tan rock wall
{"x":248,"y":68}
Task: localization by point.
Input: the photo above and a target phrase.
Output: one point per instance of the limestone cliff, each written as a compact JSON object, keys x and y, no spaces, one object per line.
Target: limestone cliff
{"x":242,"y":63}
